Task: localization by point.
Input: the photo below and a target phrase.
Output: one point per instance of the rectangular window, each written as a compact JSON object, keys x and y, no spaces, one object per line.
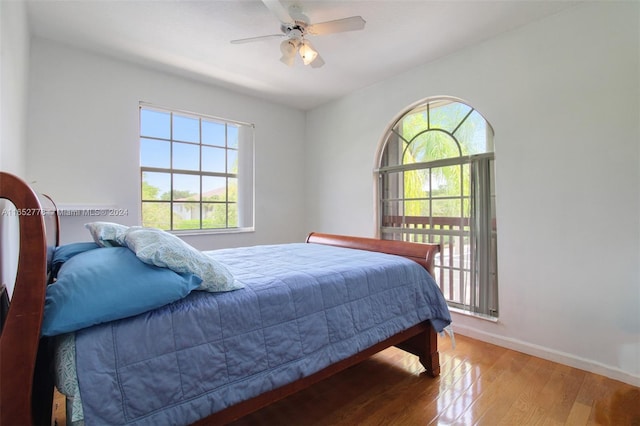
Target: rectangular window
{"x":196,"y":171}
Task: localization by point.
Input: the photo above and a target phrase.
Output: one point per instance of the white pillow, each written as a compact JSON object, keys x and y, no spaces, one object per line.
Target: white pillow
{"x":160,"y":248}
{"x":107,"y":234}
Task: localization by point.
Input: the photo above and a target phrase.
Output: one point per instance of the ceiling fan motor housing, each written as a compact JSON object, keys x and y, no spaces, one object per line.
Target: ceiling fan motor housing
{"x":294,"y":31}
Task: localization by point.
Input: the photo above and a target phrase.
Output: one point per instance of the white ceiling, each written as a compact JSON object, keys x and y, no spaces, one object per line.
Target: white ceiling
{"x":191,"y":38}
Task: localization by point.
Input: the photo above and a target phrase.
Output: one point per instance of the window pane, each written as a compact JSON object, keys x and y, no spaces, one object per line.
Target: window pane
{"x":466,"y":180}
{"x":186,"y":215}
{"x":214,"y":215}
{"x":392,"y":213}
{"x":232,"y":136}
{"x":472,"y":135}
{"x":214,"y":188}
{"x":155,"y":153}
{"x":186,"y":187}
{"x":155,"y":124}
{"x":416,"y":208}
{"x":410,"y":155}
{"x":392,"y":185}
{"x":233,"y":189}
{"x":446,"y":181}
{"x":186,"y":129}
{"x":448,"y":115}
{"x":213,"y":133}
{"x":392,"y":154}
{"x":413,"y":124}
{"x":232,"y":161}
{"x":156,"y":215}
{"x":416,"y":183}
{"x":213,"y":159}
{"x":447,"y":208}
{"x":232,"y":210}
{"x":186,"y":156}
{"x":156,"y":186}
{"x":429,"y":146}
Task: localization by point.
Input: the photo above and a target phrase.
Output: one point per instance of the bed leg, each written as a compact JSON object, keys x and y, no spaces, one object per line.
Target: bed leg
{"x":425,"y":346}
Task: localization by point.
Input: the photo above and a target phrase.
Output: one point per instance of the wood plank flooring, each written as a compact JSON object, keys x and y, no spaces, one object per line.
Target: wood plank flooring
{"x":480,"y":384}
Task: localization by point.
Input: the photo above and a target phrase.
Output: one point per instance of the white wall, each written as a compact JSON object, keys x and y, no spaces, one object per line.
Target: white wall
{"x":563,"y":97}
{"x":83,"y":145}
{"x":14,"y":64}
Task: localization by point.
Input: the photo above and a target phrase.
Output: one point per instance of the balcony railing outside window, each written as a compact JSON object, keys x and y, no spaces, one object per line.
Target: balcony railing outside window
{"x":453,"y":265}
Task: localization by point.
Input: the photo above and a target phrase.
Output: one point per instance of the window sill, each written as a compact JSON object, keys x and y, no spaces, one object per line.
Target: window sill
{"x":192,"y":232}
{"x":473,"y":315}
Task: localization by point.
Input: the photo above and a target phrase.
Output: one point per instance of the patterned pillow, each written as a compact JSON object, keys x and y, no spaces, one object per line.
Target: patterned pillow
{"x":160,"y":248}
{"x":107,"y":234}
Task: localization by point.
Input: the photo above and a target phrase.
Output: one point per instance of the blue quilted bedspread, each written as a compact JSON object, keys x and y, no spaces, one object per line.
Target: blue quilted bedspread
{"x":304,"y":306}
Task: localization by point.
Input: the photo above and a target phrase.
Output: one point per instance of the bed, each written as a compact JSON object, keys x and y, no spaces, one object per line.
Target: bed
{"x":295,"y":314}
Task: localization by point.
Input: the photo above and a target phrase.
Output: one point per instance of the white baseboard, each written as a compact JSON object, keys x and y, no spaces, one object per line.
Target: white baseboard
{"x":549,"y":354}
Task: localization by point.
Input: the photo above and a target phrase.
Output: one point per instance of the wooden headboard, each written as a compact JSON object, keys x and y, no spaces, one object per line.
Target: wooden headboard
{"x":20,"y":343}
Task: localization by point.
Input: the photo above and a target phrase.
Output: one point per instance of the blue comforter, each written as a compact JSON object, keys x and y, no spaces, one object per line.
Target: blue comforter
{"x":304,"y":307}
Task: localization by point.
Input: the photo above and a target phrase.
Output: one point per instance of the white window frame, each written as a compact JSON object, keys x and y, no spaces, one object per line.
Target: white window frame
{"x":245,"y":202}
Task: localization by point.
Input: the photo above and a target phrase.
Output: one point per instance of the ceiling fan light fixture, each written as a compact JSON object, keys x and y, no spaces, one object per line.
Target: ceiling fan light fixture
{"x":288,"y":48}
{"x":307,"y":52}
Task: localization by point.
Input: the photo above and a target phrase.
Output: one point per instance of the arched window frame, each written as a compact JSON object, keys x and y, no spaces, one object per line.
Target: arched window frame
{"x":471,"y":285}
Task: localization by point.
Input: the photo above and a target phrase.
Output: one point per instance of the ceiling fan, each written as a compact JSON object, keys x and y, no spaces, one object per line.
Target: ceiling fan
{"x":295,"y":27}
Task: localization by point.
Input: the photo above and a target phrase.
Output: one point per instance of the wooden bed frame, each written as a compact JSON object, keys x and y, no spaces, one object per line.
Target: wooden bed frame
{"x":26,"y":382}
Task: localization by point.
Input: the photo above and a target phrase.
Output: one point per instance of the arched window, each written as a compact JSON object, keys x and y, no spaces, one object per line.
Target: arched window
{"x":436,"y":184}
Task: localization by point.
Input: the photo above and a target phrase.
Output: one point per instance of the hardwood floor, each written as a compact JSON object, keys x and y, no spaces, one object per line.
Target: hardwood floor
{"x":480,"y":384}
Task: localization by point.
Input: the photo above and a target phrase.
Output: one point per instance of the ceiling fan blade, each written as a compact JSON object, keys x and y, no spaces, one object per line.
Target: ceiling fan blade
{"x":259,"y":38}
{"x":279,"y":11}
{"x":317,"y":63}
{"x":353,"y":23}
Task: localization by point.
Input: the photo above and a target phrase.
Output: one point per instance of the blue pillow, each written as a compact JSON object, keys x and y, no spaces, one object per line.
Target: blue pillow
{"x":108,"y":284}
{"x":67,"y":251}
